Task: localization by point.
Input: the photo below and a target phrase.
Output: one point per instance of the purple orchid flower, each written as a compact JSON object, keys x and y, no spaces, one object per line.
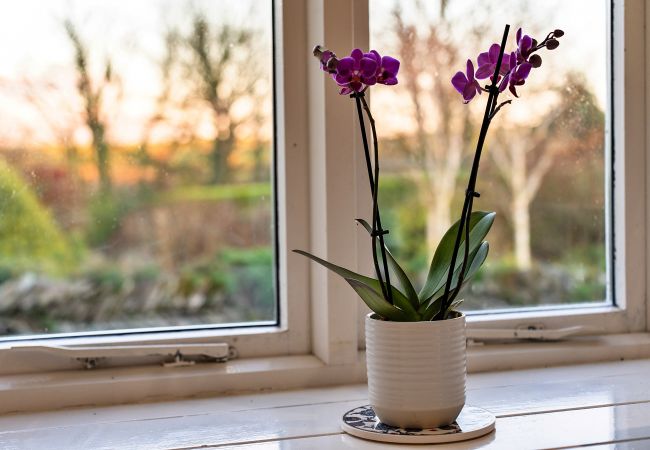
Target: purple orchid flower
{"x":521,"y":62}
{"x":328,"y":60}
{"x":515,"y":66}
{"x":518,"y":76}
{"x":387,"y":68}
{"x":525,"y":46}
{"x":511,"y":60}
{"x":355,"y":72}
{"x":487,"y":62}
{"x":466,"y":84}
{"x":324,"y":59}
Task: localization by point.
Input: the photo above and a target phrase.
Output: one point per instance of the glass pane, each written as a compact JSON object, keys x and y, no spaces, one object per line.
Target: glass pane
{"x":135,"y":154}
{"x":543,"y":168}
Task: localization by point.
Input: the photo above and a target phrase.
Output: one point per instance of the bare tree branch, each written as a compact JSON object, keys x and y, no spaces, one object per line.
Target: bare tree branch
{"x":93,"y":97}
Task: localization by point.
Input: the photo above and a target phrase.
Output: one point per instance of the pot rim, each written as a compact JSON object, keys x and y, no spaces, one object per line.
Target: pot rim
{"x":421,"y":323}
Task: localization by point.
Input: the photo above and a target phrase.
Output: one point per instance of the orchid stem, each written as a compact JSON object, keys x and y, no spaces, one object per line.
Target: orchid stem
{"x":470,"y":193}
{"x":375,"y":194}
{"x":374,"y":187}
{"x":498,"y":108}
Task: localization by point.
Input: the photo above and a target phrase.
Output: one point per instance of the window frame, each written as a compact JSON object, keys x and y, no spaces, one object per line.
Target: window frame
{"x":626,"y":172}
{"x":291,"y":334}
{"x":321,"y":187}
{"x":626,"y":222}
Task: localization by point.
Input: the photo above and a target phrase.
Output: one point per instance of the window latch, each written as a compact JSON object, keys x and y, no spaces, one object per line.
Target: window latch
{"x":535,"y":332}
{"x":167,"y":355}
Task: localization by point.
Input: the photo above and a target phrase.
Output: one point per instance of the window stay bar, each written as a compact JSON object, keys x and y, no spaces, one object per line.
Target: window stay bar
{"x":524,"y":332}
{"x":169,"y":355}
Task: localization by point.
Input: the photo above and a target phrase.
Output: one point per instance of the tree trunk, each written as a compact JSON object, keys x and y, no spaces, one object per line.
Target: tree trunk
{"x":221,"y":149}
{"x":520,"y":205}
{"x":438,"y":219}
{"x":102,"y":155}
{"x":520,"y":211}
{"x":441,"y":187}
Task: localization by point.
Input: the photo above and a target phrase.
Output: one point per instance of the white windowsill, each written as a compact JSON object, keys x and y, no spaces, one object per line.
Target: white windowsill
{"x":54,"y":390}
{"x":602,"y":404}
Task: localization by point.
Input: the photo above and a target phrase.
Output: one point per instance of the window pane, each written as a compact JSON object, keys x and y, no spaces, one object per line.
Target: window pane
{"x":135,"y":160}
{"x":543,"y":168}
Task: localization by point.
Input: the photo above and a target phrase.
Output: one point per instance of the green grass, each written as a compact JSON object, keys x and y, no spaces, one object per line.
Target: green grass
{"x":243,"y":192}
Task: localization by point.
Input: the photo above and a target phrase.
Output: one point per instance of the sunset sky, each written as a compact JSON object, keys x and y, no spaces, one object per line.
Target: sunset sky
{"x":37,"y":53}
{"x":583,"y":49}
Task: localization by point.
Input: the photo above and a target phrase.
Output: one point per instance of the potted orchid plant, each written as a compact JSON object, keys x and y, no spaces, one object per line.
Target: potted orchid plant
{"x":415,"y":340}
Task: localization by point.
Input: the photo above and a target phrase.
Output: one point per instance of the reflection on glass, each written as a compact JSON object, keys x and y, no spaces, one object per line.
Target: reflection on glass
{"x":135,"y":147}
{"x":543,"y":171}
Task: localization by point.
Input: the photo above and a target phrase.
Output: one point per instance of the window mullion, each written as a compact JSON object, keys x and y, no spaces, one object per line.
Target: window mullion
{"x":333,"y":182}
{"x":644,"y":118}
{"x":363,"y":196}
{"x":629,"y":165}
{"x":292,"y":159}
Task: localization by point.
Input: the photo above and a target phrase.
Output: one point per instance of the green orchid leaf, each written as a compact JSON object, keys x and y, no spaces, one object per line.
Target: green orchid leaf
{"x":404,"y":280}
{"x":456,"y":303}
{"x":480,"y":223}
{"x":431,"y":308}
{"x":474,"y":262}
{"x":377,"y":303}
{"x":399,"y":299}
{"x":454,"y":306}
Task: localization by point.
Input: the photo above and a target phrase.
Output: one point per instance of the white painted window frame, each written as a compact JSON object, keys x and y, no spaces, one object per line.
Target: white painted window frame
{"x":626,"y":188}
{"x":291,"y":336}
{"x":321,"y":189}
{"x":625,"y":184}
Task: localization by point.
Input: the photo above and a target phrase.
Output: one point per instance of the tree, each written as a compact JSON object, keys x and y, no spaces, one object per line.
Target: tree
{"x":524,"y":155}
{"x":438,"y":145}
{"x":221,"y":66}
{"x":92,"y":93}
{"x":48,"y":100}
{"x":144,"y":155}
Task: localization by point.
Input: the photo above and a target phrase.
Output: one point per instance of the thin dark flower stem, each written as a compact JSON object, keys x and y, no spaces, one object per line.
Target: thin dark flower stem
{"x":376,"y":221}
{"x":467,"y":214}
{"x":375,"y":195}
{"x":543,"y":43}
{"x":470,"y":193}
{"x":498,"y":108}
{"x":463,"y":270}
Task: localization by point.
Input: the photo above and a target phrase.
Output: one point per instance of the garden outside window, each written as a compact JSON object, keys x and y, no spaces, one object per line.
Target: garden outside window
{"x":138,"y":151}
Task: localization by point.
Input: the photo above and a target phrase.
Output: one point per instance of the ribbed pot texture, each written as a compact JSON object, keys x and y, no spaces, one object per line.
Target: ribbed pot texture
{"x":416,"y":371}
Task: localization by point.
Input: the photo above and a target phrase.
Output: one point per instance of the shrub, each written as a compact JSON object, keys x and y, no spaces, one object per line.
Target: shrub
{"x":29,"y":237}
{"x":244,"y":276}
{"x":106,"y":212}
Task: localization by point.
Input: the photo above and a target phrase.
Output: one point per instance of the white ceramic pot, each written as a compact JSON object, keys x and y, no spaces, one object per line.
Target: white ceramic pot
{"x":416,"y":371}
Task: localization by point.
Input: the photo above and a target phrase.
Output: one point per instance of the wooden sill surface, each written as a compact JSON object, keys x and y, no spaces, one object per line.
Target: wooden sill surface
{"x":605,"y":405}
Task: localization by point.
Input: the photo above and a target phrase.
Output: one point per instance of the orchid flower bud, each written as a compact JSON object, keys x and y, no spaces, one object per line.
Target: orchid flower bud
{"x":535,"y":60}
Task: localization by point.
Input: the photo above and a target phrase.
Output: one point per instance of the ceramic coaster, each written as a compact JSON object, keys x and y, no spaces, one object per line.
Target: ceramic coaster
{"x":472,"y":422}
